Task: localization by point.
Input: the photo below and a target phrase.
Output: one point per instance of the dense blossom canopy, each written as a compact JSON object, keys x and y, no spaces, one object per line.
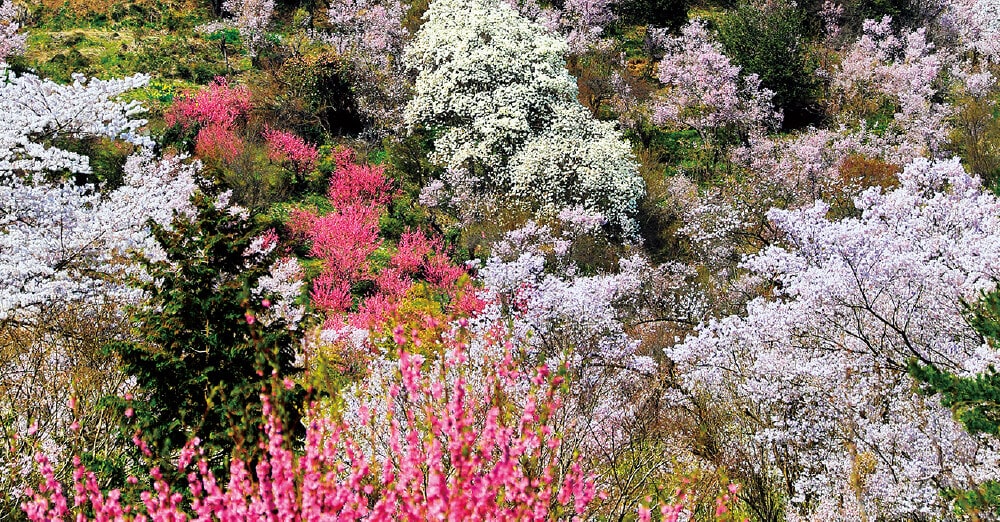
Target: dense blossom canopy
{"x":500,"y":259}
{"x":824,"y":362}
{"x":496,"y":88}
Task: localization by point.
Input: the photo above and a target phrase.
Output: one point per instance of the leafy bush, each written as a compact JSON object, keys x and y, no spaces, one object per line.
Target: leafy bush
{"x":770,"y":40}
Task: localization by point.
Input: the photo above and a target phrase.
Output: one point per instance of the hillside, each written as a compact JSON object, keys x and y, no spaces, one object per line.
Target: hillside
{"x":500,"y":259}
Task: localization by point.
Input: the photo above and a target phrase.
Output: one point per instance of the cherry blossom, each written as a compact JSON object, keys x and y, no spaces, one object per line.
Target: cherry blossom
{"x":822,"y":363}
{"x":705,"y":90}
{"x":12,"y":42}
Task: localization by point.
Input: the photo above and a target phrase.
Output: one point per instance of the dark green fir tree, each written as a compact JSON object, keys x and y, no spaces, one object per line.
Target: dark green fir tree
{"x":201,"y":359}
{"x":975,"y":400}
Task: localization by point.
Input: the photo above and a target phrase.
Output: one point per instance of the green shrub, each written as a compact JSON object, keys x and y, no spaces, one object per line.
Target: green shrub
{"x":770,"y":40}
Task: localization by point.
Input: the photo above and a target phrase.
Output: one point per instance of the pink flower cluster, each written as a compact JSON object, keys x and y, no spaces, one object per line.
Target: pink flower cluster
{"x":345,"y":238}
{"x":219,"y":104}
{"x":453,"y":456}
{"x":215,"y":111}
{"x":284,"y":146}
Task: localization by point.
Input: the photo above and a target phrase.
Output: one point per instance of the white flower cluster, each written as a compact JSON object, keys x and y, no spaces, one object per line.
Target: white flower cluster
{"x":12,"y":42}
{"x":495,"y":87}
{"x":822,"y":364}
{"x":34,"y":111}
{"x":60,"y":241}
{"x":251,"y":18}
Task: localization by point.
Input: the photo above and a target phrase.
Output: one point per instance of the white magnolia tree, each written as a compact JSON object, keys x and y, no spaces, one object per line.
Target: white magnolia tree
{"x":495,"y":89}
{"x":819,"y":367}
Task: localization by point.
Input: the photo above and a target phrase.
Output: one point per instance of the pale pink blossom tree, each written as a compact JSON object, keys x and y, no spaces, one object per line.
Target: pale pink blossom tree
{"x":819,"y":367}
{"x":705,"y":91}
{"x":12,"y":42}
{"x":251,"y":17}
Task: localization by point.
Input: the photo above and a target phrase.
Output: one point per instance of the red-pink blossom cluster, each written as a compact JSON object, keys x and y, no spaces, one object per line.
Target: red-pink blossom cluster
{"x":284,"y":146}
{"x":453,"y":456}
{"x":345,"y":238}
{"x":217,"y":142}
{"x":219,"y":104}
{"x":215,"y":112}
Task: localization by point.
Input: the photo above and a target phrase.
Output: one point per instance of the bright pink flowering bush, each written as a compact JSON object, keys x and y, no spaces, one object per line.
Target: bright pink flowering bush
{"x":345,"y":239}
{"x":218,"y":104}
{"x":218,"y":143}
{"x":215,"y":112}
{"x":453,"y":454}
{"x":284,"y":146}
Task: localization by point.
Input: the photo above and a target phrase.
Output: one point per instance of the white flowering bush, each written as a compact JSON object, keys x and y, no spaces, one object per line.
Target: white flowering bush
{"x":821,"y":365}
{"x":12,"y":41}
{"x":494,"y":88}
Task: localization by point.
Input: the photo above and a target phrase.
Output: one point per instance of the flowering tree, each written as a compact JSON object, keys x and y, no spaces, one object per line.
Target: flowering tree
{"x":370,"y":36}
{"x":36,"y":111}
{"x":705,"y":91}
{"x":218,"y":120}
{"x":451,"y":453}
{"x":902,"y":71}
{"x":284,"y":146}
{"x":581,"y":22}
{"x":587,"y":319}
{"x":821,"y":367}
{"x":11,"y":41}
{"x":216,"y":113}
{"x":251,"y":17}
{"x":345,"y":241}
{"x":64,"y":255}
{"x":518,"y":129}
{"x":976,"y":22}
{"x":368,"y":28}
{"x":61,"y":240}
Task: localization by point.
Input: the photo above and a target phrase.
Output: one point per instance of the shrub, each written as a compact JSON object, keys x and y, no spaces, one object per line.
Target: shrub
{"x":769,"y":40}
{"x":452,"y":453}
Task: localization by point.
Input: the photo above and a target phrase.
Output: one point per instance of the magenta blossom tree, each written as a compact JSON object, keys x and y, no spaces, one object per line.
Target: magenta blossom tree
{"x":451,"y":454}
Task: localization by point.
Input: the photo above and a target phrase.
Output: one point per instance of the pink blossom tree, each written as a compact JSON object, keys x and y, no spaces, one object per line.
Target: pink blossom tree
{"x":346,"y":238}
{"x":451,"y":453}
{"x":903,"y":71}
{"x":284,"y":146}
